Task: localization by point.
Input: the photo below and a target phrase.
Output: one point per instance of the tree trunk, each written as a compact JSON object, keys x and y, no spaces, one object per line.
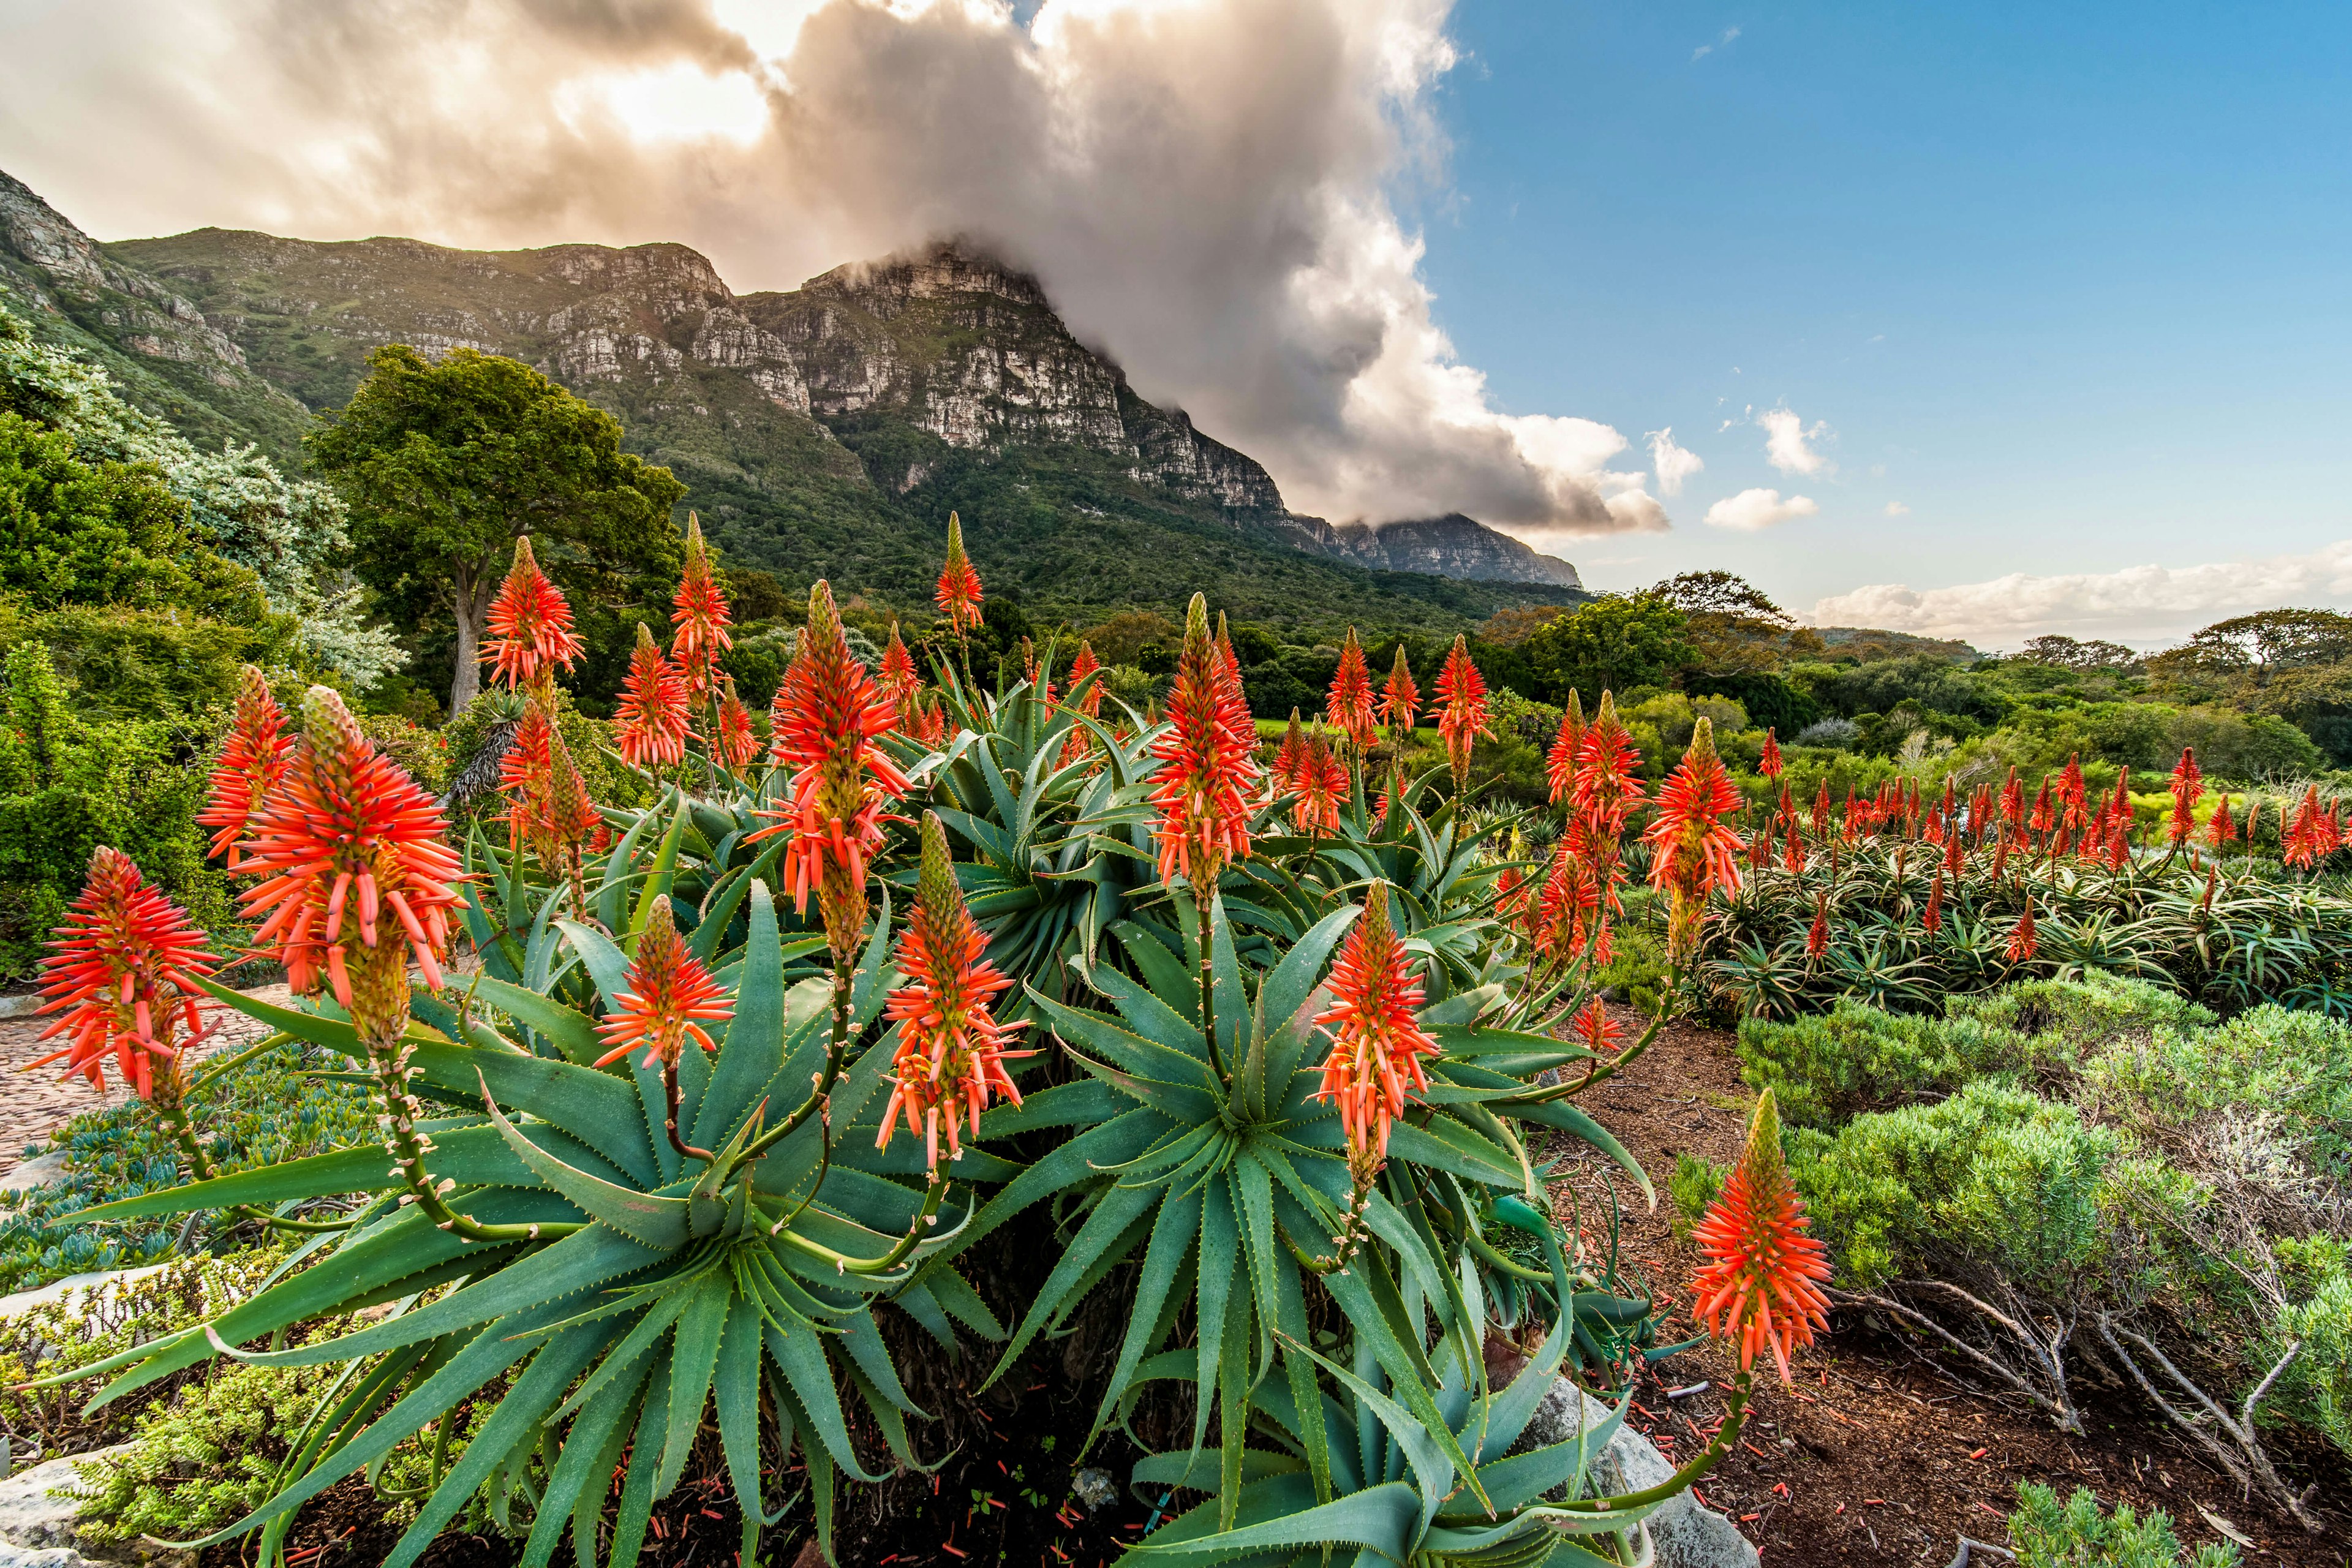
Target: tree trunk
{"x":471,"y":603}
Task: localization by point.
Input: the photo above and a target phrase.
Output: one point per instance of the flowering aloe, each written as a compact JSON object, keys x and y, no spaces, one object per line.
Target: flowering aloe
{"x":1348,"y":705}
{"x":1322,"y":786}
{"x":1931,"y":919}
{"x":1208,"y":766}
{"x":1760,"y":1287}
{"x":898,"y":680}
{"x":665,"y":999}
{"x":1462,"y":694}
{"x":827,"y":715}
{"x":1377,"y":1044}
{"x":1570,"y":902}
{"x":1562,"y":761}
{"x":2313,"y":834}
{"x":251,"y":762}
{"x":738,"y":745}
{"x":1596,"y":1031}
{"x":2022,"y":939}
{"x":1608,"y":786}
{"x":1817,"y":936}
{"x":121,"y":973}
{"x":958,"y":594}
{"x":1693,"y":850}
{"x":2222,"y":832}
{"x":547,"y":801}
{"x":1290,"y":756}
{"x":1770,"y":764}
{"x":1400,"y":698}
{"x":530,"y":625}
{"x":1082,"y":741}
{"x":951,"y":1050}
{"x":700,"y":615}
{"x":650,"y":721}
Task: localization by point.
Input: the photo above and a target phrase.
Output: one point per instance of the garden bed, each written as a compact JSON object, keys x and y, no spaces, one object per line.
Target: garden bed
{"x":1883,"y":1459}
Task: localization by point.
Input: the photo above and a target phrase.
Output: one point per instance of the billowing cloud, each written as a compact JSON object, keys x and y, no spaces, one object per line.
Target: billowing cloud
{"x":1786,"y":441}
{"x":1751,"y":511}
{"x":1202,"y":185}
{"x":2145,"y":602}
{"x":1674,"y":464}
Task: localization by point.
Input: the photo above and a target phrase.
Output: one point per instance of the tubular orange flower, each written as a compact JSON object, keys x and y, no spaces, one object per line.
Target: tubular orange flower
{"x":825,"y":717}
{"x":357,"y":865}
{"x":122,"y":974}
{"x":1571,"y":901}
{"x":2072,"y":811}
{"x":1348,"y":706}
{"x":898,"y":680}
{"x":530,"y":623}
{"x":1596,"y":1031}
{"x":1290,"y":757}
{"x":958,"y":594}
{"x":1606,"y":790}
{"x":1208,"y":765}
{"x":951,"y":1050}
{"x":2188,"y":789}
{"x":1821,"y":810}
{"x":1817,"y":939}
{"x":650,"y":721}
{"x":1463,"y":692}
{"x":1232,"y":701}
{"x":1795,"y":860}
{"x":700,"y":613}
{"x":524,"y":773}
{"x":1322,"y":786}
{"x":251,"y":762}
{"x":2223,"y":830}
{"x":2022,"y":938}
{"x":2313,"y":835}
{"x":1082,"y":741}
{"x":1770,"y":764}
{"x":1693,"y":850}
{"x":668,"y":996}
{"x":1932,"y":919}
{"x":1760,"y":1287}
{"x":1377,"y":1042}
{"x":1560,"y":762}
{"x":1400,"y":698}
{"x":739,"y":746}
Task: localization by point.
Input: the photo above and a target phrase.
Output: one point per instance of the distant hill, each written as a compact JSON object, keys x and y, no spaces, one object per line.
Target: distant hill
{"x":1865,"y":644}
{"x":822,"y":431}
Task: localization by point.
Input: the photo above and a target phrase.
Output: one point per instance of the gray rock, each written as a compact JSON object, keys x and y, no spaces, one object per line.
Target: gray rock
{"x":27,"y":1174}
{"x":42,"y":1557}
{"x":24,"y":1004}
{"x":1687,"y":1535}
{"x":1097,"y":1488}
{"x":42,"y":1529}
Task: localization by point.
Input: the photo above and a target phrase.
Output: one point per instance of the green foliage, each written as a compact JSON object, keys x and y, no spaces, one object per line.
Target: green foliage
{"x":2072,"y":1019}
{"x":2078,"y":1535}
{"x":1693,"y":1186}
{"x":2316,"y":1388}
{"x":1825,"y":1067}
{"x":2291,"y":1068}
{"x":1612,"y":644}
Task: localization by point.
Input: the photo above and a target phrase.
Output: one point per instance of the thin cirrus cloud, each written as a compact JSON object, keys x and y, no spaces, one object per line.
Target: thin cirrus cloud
{"x":2146,"y":604}
{"x":1753,"y":511}
{"x":1672,"y":463}
{"x":1700,"y":53}
{"x":1202,"y":188}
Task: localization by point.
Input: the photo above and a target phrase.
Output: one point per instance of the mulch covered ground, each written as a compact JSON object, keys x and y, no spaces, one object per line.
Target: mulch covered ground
{"x":1873,"y":1456}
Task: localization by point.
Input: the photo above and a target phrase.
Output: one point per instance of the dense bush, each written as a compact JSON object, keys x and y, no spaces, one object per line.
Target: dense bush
{"x":2077,"y":1533}
{"x":1826,"y":1066}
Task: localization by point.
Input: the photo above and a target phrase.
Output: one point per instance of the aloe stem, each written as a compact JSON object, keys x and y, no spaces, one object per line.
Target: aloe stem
{"x":834,"y":1053}
{"x":1705,"y":1459}
{"x":670,"y":1093}
{"x":1208,"y":981}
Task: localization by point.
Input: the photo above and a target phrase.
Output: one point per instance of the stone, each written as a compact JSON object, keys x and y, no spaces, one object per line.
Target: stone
{"x":1685,"y":1535}
{"x":24,"y":1004}
{"x":1096,"y":1487}
{"x":42,"y":1529}
{"x":35,"y":1172}
{"x":88,"y":1286}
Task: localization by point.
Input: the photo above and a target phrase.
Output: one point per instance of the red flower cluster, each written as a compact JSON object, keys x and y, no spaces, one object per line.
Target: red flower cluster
{"x":700,"y":613}
{"x":1208,"y":762}
{"x":1462,"y":692}
{"x":951,"y":1049}
{"x":1348,"y":706}
{"x":250,"y":765}
{"x":958,"y":594}
{"x":1770,"y":764}
{"x":1081,"y":740}
{"x":1377,"y":1042}
{"x":547,"y":800}
{"x":530,"y":625}
{"x":1320,"y":783}
{"x":899,"y":682}
{"x":739,"y":746}
{"x":650,"y":721}
{"x":1693,"y":851}
{"x":1760,"y":1287}
{"x":670,"y":996}
{"x":2022,"y":939}
{"x":1400,"y":698}
{"x":121,"y":971}
{"x":355,"y":858}
{"x":1560,"y":762}
{"x":1596,"y":1031}
{"x":2313,"y":834}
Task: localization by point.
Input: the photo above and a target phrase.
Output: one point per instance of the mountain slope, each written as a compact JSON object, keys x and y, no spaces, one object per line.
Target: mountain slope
{"x":824,"y":430}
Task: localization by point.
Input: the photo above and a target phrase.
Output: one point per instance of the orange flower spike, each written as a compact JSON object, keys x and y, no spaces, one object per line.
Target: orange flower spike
{"x":1348,"y":705}
{"x":825,"y":720}
{"x":1932,"y":919}
{"x":357,"y":865}
{"x":738,"y":744}
{"x":1377,"y":1042}
{"x":1760,"y":1286}
{"x":958,"y":594}
{"x":2223,"y":831}
{"x":1290,"y":756}
{"x":1462,"y":693}
{"x":530,"y":623}
{"x":898,"y":680}
{"x":2188,"y":789}
{"x":650,"y":721}
{"x":1234,"y":702}
{"x":1208,"y":764}
{"x":1770,"y":764}
{"x":1597,"y":1032}
{"x":525,"y":772}
{"x":120,"y":975}
{"x":1322,"y":786}
{"x":1400,"y":698}
{"x":1571,"y":901}
{"x":1560,"y":763}
{"x":1086,"y":664}
{"x":667,"y":999}
{"x":1607,"y":788}
{"x":2022,"y":939}
{"x":1796,"y":852}
{"x":1817,"y":937}
{"x":951,"y":1050}
{"x":699,"y":613}
{"x":1693,"y":849}
{"x":252,"y":761}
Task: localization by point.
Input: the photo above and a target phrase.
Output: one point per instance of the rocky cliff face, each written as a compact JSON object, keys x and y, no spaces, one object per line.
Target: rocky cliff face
{"x":1450,"y":546}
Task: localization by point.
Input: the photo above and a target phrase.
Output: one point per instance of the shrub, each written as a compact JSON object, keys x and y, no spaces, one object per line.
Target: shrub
{"x":1856,"y":1058}
{"x":1693,"y":1186}
{"x":2075,"y":1019}
{"x":2290,"y":1065}
{"x":2077,"y":1534}
{"x":2317,"y":1389}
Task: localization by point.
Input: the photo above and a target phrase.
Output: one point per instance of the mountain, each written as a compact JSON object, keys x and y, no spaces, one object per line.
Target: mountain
{"x":826,"y":430}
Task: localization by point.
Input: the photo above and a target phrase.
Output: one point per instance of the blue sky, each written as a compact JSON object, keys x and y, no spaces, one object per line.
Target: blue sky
{"x":2068,"y":282}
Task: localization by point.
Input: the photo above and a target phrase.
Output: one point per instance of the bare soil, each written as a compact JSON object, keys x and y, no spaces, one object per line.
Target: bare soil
{"x":1873,"y":1454}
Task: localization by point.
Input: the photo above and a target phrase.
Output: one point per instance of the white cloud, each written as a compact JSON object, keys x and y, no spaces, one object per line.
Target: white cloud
{"x":1896,"y":509}
{"x":1674,"y":464}
{"x":1786,"y":439}
{"x":2147,"y":603}
{"x":1751,"y":511}
{"x":1203,"y":186}
{"x":1704,"y":50}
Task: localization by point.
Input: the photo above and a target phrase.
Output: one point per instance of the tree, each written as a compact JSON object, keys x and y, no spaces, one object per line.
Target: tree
{"x":2065,"y":653}
{"x":444,"y":464}
{"x":1611,"y":644}
{"x":2293,"y":663}
{"x":1732,"y":627}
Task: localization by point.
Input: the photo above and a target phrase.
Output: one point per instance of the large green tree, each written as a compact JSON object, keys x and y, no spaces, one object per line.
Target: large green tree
{"x":443,"y":463}
{"x":1610,"y":645}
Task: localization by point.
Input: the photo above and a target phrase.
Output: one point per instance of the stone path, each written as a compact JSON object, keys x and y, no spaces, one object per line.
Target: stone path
{"x":32,"y":1104}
